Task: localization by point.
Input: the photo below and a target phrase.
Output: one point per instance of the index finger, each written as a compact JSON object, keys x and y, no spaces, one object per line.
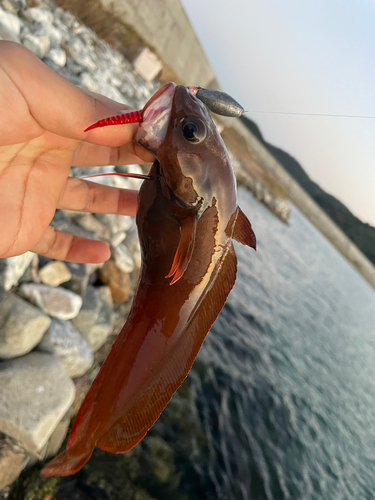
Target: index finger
{"x":59,"y":106}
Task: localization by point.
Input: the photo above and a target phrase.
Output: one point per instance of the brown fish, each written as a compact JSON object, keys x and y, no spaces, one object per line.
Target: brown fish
{"x":187,"y":217}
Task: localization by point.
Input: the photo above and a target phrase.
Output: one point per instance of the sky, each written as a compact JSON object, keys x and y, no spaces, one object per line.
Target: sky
{"x":302,"y":56}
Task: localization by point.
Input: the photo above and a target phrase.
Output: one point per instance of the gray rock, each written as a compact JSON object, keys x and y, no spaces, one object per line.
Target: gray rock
{"x":46,"y":28}
{"x":80,"y":278}
{"x":22,"y":326}
{"x":38,"y":44}
{"x":64,"y":223}
{"x":11,"y":6}
{"x":36,"y":14}
{"x":65,"y":17}
{"x":32,"y":272}
{"x":58,"y":56}
{"x":90,"y":222}
{"x":117,"y":239}
{"x":15,"y":268}
{"x":12,"y":459}
{"x":57,"y":302}
{"x":95,"y":320}
{"x":89,"y":82}
{"x":57,"y":438}
{"x":35,"y":394}
{"x":54,"y":273}
{"x":123,"y":259}
{"x":10,"y":27}
{"x":63,"y":340}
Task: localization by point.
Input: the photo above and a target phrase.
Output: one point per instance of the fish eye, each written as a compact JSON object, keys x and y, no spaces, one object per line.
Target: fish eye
{"x":194,"y":130}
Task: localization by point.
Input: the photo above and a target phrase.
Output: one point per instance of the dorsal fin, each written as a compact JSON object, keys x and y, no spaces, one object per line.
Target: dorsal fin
{"x":243,"y":232}
{"x":185,"y":248}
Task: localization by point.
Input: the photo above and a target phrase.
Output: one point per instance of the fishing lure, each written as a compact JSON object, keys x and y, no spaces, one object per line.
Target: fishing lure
{"x":187,"y":217}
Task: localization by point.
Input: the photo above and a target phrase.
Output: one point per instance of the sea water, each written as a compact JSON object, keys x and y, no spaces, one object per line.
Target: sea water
{"x":291,"y":396}
{"x":283,"y":387}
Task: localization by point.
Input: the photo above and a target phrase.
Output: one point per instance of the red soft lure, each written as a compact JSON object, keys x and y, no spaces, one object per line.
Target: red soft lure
{"x":131,"y":117}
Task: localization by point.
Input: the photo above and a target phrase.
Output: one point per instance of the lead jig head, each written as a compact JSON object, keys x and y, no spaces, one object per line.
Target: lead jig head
{"x":218,"y":102}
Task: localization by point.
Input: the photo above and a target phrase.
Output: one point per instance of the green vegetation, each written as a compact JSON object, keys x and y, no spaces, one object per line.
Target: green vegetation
{"x":362,"y":234}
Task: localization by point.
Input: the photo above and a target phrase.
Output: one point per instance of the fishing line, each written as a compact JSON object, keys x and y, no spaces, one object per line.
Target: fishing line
{"x":310,"y":114}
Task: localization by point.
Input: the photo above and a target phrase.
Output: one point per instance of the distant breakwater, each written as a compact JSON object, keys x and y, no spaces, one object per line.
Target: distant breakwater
{"x":308,"y":207}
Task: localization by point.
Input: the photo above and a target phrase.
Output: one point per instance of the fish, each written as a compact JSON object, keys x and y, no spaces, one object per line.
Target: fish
{"x":187,"y":218}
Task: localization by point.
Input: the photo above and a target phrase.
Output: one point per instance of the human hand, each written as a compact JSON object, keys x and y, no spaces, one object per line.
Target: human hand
{"x":43,"y":118}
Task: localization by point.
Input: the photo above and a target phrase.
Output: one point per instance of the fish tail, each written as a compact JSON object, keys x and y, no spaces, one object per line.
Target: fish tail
{"x":70,"y":461}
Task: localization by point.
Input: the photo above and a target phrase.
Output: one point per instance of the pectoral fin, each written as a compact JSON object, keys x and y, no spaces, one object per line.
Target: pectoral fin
{"x":185,"y":248}
{"x":243,"y":232}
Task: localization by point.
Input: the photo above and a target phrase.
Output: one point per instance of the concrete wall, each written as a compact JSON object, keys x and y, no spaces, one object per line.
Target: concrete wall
{"x":308,"y":206}
{"x":166,"y":27}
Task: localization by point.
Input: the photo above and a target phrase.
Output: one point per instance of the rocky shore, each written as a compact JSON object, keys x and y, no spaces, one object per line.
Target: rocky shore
{"x":58,"y":320}
{"x":55,"y":317}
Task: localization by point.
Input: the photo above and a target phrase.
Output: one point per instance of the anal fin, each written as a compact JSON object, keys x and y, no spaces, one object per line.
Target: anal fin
{"x":243,"y":232}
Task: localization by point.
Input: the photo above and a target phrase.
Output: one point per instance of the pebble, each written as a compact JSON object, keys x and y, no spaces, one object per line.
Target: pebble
{"x":96,"y":318}
{"x":14,"y":268}
{"x":57,"y":302}
{"x":22,"y":326}
{"x":38,"y":44}
{"x":11,"y":6}
{"x":63,"y":340}
{"x":80,"y":278}
{"x":36,"y":14}
{"x":10,"y":27}
{"x":54,"y":273}
{"x":90,"y":222}
{"x":117,"y":280}
{"x":12,"y":459}
{"x":35,"y":394}
{"x":123,"y":259}
{"x":117,"y":239}
{"x":57,"y":56}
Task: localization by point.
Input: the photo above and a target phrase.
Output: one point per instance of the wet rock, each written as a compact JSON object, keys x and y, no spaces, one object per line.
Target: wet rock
{"x":96,"y":318}
{"x":123,"y":259}
{"x":10,"y":27}
{"x":117,"y":280}
{"x":14,"y":268}
{"x":80,"y":278}
{"x":12,"y":459}
{"x":54,"y":273}
{"x":57,"y":302}
{"x":162,"y":461}
{"x":63,"y":340}
{"x":35,"y":394}
{"x":22,"y":326}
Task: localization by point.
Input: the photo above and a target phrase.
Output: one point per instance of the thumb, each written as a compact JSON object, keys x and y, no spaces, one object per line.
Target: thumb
{"x":59,"y":106}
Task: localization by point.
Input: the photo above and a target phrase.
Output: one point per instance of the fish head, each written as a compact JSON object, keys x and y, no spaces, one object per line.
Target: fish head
{"x":178,"y":129}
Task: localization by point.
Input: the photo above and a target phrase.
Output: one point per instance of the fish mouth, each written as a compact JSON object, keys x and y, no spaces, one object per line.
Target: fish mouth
{"x":155,"y":118}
